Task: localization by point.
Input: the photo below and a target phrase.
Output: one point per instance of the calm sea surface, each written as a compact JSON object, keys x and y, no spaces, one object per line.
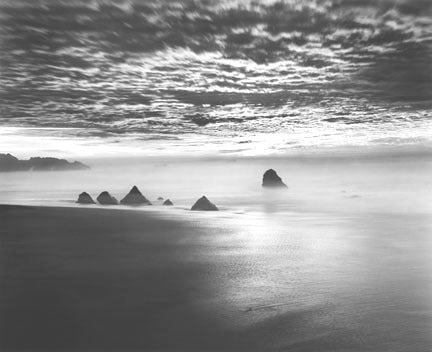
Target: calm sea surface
{"x":339,"y":261}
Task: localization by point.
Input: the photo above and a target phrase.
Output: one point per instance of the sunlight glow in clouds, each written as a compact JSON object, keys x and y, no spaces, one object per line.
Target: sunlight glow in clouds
{"x":182,"y":73}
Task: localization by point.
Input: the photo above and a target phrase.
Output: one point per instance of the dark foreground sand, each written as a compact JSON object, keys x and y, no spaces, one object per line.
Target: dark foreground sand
{"x":94,"y":279}
{"x":87,"y":279}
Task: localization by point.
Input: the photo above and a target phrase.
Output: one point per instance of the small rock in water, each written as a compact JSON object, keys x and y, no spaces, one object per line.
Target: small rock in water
{"x":204,"y":204}
{"x":135,"y":197}
{"x":272,"y":179}
{"x":159,"y":198}
{"x":85,"y":198}
{"x":106,"y":199}
{"x":168,"y":202}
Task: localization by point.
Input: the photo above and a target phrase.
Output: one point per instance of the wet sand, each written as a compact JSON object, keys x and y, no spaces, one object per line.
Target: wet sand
{"x":86,"y":279}
{"x":94,"y":279}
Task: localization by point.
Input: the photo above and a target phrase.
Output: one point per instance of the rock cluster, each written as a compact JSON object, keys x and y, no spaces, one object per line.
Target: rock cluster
{"x":270,"y":179}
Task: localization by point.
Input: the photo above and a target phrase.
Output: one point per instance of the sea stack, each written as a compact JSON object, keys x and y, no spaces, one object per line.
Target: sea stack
{"x":167,"y":202}
{"x":135,"y":197}
{"x":204,"y":204}
{"x":85,"y":198}
{"x":271,"y":179}
{"x":106,"y":199}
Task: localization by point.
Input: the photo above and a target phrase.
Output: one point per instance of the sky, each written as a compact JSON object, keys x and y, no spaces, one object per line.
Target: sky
{"x":216,"y":77}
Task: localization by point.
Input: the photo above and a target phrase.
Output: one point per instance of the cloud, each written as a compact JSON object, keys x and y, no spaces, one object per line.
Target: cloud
{"x":185,"y":66}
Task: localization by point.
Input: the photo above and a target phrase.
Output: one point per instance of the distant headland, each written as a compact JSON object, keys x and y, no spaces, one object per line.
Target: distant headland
{"x":9,"y":163}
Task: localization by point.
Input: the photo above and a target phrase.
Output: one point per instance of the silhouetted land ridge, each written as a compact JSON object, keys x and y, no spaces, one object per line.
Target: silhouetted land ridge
{"x":9,"y":163}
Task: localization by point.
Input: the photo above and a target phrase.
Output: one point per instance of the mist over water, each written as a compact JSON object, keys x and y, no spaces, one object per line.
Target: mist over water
{"x":315,"y":184}
{"x":221,"y":75}
{"x":339,"y":260}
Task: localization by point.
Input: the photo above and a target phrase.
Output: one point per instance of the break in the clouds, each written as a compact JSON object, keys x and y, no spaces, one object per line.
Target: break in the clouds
{"x":317,"y":70}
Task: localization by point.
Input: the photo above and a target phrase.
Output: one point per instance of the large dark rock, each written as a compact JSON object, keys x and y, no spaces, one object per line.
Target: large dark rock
{"x":204,"y":204}
{"x":85,"y":198}
{"x":168,"y":202}
{"x":272,"y":179}
{"x":106,"y":199}
{"x":9,"y":163}
{"x":135,"y":197}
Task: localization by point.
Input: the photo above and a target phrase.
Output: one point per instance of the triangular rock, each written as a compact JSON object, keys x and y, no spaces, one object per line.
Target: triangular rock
{"x":272,"y":179}
{"x":204,"y":204}
{"x":168,"y":202}
{"x":135,"y":197}
{"x":85,"y":198}
{"x":106,"y":199}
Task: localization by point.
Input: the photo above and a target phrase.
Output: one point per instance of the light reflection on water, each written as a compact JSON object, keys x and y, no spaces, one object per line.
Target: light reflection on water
{"x":362,"y":280}
{"x":342,"y":258}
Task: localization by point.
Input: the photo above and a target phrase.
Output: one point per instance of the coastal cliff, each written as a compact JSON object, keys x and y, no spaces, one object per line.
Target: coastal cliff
{"x":9,"y":163}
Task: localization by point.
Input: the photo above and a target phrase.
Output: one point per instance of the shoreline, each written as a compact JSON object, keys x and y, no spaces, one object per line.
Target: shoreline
{"x":97,"y":279}
{"x":86,"y":279}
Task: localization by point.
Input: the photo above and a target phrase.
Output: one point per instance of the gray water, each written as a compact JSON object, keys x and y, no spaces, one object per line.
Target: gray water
{"x":340,"y":261}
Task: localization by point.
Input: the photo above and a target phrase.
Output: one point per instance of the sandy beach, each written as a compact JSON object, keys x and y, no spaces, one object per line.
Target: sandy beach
{"x":89,"y":279}
{"x":86,"y":279}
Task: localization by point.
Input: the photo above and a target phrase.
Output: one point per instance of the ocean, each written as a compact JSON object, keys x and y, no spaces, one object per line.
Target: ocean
{"x":341,"y":260}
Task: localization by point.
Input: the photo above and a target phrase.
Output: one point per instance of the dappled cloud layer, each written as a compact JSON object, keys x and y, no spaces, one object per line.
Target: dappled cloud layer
{"x":313,"y":71}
